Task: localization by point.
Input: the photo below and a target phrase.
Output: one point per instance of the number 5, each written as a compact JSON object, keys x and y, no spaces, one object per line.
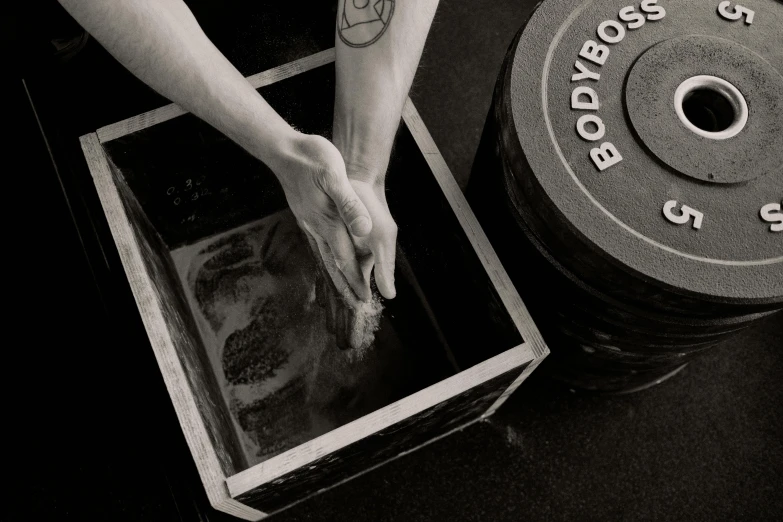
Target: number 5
{"x":738,"y":12}
{"x":771,"y":214}
{"x":687,"y":214}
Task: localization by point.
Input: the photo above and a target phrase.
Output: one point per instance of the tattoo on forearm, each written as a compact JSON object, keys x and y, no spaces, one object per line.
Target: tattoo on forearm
{"x":362,"y":22}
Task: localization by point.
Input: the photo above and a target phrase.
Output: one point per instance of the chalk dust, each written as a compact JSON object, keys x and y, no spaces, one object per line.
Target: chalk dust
{"x":271,"y":341}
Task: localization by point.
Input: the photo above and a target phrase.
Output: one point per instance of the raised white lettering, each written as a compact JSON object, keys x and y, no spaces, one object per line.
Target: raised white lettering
{"x":618,"y":28}
{"x":771,"y":214}
{"x":592,"y":99}
{"x":636,"y":20}
{"x":605,"y":156}
{"x":654,"y":12}
{"x":584,"y":73}
{"x":737,"y":13}
{"x":687,"y":213}
{"x":594,"y":52}
{"x":587,"y":135}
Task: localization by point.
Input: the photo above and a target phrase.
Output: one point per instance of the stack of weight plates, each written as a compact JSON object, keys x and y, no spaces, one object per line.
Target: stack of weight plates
{"x":630,"y":177}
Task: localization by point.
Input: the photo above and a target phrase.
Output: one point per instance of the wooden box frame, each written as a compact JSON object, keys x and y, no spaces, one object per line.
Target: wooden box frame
{"x":246,"y":492}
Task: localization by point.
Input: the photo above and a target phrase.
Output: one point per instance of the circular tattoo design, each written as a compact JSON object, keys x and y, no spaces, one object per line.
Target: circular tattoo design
{"x":364,"y":21}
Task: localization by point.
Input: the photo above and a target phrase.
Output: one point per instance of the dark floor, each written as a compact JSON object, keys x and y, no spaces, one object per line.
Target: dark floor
{"x":84,"y":440}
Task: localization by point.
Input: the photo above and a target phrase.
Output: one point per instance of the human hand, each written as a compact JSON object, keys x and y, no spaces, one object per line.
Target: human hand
{"x":377,"y":249}
{"x":312,"y":173}
{"x":354,"y":322}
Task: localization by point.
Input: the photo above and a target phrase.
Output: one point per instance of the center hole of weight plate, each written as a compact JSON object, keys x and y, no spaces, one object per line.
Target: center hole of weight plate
{"x":709,"y":110}
{"x":711,"y":107}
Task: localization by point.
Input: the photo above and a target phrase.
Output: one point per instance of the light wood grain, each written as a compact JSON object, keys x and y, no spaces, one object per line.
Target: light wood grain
{"x":150,"y":308}
{"x":168,"y":112}
{"x":378,"y":420}
{"x":512,"y":388}
{"x":376,"y":466}
{"x":291,"y":69}
{"x":220,"y":488}
{"x":489,"y":259}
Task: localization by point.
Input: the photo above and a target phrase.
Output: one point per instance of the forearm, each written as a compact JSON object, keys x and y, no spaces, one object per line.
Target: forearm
{"x":161,"y":43}
{"x":374,"y":77}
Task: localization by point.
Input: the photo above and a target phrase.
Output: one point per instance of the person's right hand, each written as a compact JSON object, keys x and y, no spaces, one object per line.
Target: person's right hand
{"x":325,"y":204}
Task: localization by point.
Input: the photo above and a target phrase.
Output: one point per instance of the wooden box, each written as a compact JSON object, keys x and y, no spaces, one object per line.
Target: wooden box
{"x":272,"y":411}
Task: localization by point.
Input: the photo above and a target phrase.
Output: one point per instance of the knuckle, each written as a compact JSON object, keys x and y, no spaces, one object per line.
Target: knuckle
{"x":341,"y":261}
{"x":390,"y":231}
{"x":331,"y":224}
{"x":317,"y":219}
{"x":326,"y":177}
{"x":323,"y":228}
{"x":351,"y":206}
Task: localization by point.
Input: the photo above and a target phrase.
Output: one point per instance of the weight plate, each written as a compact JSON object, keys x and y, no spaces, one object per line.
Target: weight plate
{"x":541,"y":277}
{"x":626,"y":342}
{"x":608,"y":324}
{"x":755,"y":151}
{"x":602,"y":380}
{"x":623,"y":299}
{"x":725,"y":249}
{"x":585,"y":355}
{"x":538,"y":214}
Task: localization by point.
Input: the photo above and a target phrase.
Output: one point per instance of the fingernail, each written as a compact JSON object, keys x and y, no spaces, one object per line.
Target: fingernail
{"x":361,"y":226}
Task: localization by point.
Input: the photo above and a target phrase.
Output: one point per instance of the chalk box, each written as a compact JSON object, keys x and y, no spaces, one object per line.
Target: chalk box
{"x":272,"y":411}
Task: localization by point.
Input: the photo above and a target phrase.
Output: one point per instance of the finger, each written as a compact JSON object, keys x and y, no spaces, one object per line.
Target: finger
{"x":329,"y":265}
{"x":366,"y":262}
{"x":385,"y":252}
{"x":324,"y":297}
{"x":341,"y":262}
{"x":344,"y":257}
{"x":343,"y":335}
{"x":350,"y":207}
{"x":340,"y":318}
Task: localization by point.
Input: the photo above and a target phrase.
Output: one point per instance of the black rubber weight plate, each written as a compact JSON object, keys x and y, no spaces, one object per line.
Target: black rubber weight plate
{"x":734,"y":255}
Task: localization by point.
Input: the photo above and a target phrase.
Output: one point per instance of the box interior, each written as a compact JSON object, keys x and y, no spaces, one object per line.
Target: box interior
{"x":234,"y":276}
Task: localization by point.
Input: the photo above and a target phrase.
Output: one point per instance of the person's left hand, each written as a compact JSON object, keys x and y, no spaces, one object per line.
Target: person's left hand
{"x":376,"y":251}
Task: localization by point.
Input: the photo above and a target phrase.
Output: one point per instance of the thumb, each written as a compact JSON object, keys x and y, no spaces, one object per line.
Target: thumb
{"x":350,"y":207}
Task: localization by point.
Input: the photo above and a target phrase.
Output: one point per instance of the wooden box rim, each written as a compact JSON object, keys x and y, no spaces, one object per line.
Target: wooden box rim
{"x":222,"y":490}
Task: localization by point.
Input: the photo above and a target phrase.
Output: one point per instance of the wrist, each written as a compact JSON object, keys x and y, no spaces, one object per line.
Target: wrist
{"x":358,"y":170}
{"x":279,"y":149}
{"x":366,"y":158}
